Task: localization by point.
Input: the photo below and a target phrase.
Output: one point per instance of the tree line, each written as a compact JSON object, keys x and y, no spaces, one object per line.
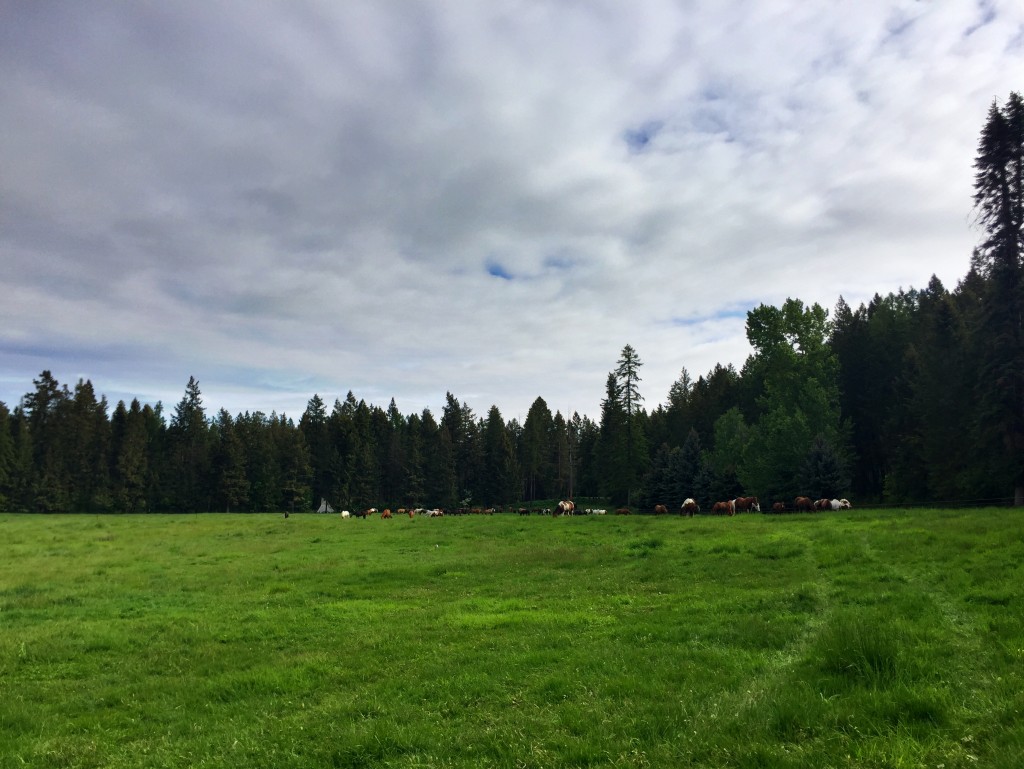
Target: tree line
{"x":915,"y":396}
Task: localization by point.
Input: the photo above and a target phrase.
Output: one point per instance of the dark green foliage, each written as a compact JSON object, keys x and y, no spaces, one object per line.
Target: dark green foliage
{"x":999,"y":324}
{"x":823,"y":473}
{"x":658,"y":486}
{"x":130,"y":470}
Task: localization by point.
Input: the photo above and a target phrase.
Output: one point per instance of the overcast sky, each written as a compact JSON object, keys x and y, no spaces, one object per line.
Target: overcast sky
{"x":404,"y":199}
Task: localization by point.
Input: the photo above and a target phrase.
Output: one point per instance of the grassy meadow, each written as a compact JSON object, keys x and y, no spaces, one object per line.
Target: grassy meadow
{"x":851,"y":639}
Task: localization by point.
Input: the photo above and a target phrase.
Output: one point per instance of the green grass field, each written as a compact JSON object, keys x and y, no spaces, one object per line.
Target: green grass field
{"x":854,"y":639}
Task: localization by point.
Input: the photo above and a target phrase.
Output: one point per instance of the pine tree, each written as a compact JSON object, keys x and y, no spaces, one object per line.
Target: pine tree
{"x":823,"y":473}
{"x":313,"y":424}
{"x":189,"y":439}
{"x":627,"y":379}
{"x":999,"y":207}
{"x":535,"y":451}
{"x":48,"y":483}
{"x":6,"y":457}
{"x":230,"y":483}
{"x":130,"y":458}
{"x":87,"y":443}
{"x":500,"y":477}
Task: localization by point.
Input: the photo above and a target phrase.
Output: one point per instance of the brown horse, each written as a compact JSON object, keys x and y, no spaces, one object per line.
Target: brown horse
{"x":690,"y":507}
{"x":747,"y":504}
{"x":728,"y":507}
{"x":660,"y":510}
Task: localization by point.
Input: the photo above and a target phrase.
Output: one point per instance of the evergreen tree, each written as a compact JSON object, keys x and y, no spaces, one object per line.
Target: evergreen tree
{"x":261,"y":467}
{"x":712,"y":396}
{"x":130,"y":458}
{"x":823,"y":474}
{"x":22,"y":465}
{"x":158,"y":482}
{"x":414,"y":494}
{"x":732,"y":436}
{"x":662,"y":483}
{"x":501,"y":474}
{"x":689,"y":464}
{"x":189,"y":444}
{"x":589,"y":480}
{"x":48,"y":482}
{"x":6,"y":457}
{"x":560,"y":459}
{"x":230,"y":483}
{"x":610,"y":448}
{"x":999,"y":205}
{"x":395,"y":464}
{"x":87,"y":443}
{"x":627,"y":378}
{"x":294,"y":465}
{"x":313,"y":424}
{"x":535,"y":451}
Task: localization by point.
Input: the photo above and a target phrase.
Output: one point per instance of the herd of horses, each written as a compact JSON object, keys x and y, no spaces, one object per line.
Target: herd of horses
{"x":690,"y":507}
{"x":753,"y":505}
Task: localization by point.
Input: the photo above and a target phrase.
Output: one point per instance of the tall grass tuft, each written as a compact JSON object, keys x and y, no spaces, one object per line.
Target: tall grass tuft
{"x":862,"y":647}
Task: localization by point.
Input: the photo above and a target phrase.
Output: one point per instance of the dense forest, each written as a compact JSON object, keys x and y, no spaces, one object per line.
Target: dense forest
{"x":914,"y":397}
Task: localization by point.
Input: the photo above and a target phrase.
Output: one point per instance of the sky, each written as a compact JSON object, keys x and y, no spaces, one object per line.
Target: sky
{"x":407,"y":199}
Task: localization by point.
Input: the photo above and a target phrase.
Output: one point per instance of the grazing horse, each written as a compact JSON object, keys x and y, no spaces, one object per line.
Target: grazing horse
{"x":822,"y":504}
{"x":346,"y":514}
{"x":747,"y":504}
{"x":689,"y":507}
{"x":622,"y":511}
{"x":778,"y":507}
{"x":660,"y":510}
{"x":727,"y":507}
{"x":803,"y":504}
{"x":565,"y":507}
{"x":386,"y":514}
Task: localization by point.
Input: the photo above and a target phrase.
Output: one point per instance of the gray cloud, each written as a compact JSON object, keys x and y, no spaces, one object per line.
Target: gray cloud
{"x":492,"y":199}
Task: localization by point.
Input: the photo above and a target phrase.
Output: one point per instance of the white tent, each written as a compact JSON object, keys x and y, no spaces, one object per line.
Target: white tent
{"x":324,"y":507}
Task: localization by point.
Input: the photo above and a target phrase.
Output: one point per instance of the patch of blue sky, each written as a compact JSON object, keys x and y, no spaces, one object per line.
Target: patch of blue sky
{"x":498,"y":270}
{"x":639,"y":139}
{"x":729,"y":313}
